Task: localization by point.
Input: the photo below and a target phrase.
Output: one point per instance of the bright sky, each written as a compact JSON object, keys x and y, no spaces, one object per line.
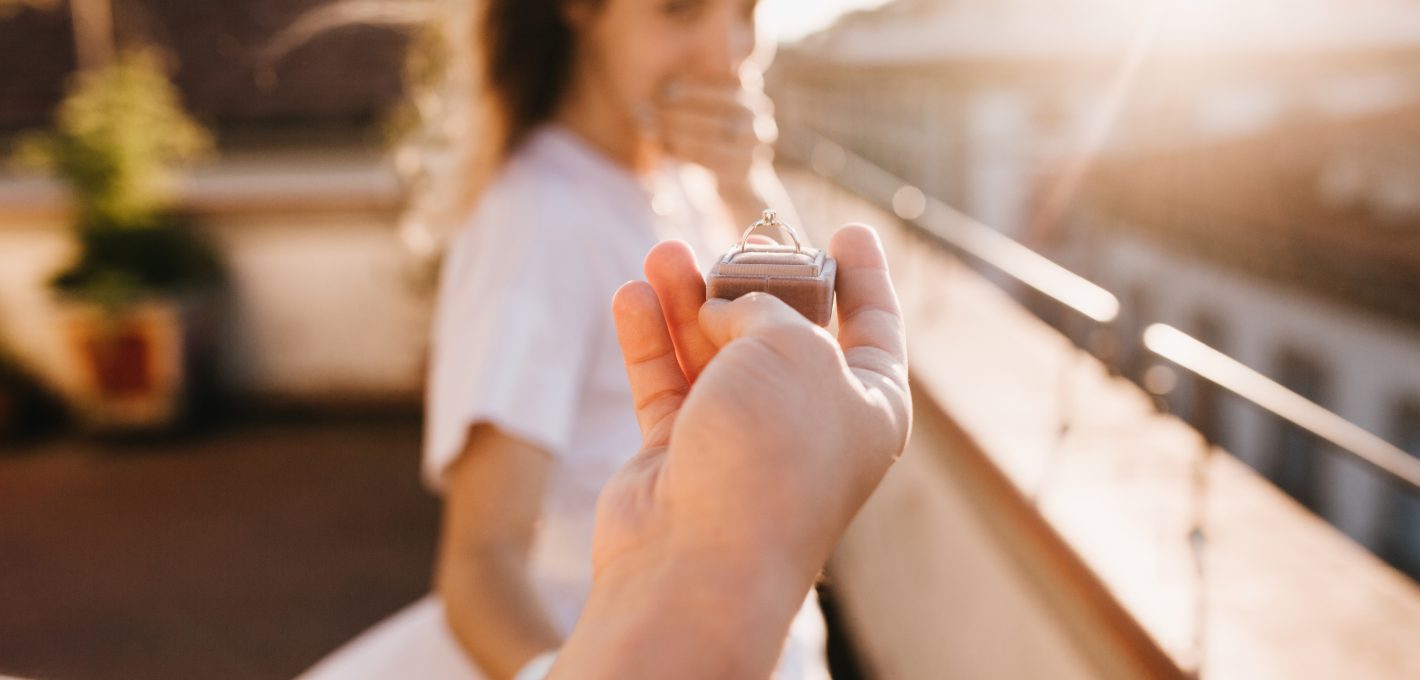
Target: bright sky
{"x":789,"y":20}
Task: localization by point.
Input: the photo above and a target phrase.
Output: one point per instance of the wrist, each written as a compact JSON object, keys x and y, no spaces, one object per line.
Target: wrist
{"x":688,"y":612}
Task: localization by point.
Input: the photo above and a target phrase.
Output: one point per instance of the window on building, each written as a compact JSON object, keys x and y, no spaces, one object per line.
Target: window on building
{"x":1402,"y":545}
{"x":1295,"y":463}
{"x":1199,"y":401}
{"x":1138,"y":312}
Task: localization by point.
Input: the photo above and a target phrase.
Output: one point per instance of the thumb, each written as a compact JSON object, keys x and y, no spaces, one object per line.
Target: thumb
{"x":754,"y":314}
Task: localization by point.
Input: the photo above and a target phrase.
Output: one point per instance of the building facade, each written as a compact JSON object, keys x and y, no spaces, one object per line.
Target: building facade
{"x":1243,"y":171}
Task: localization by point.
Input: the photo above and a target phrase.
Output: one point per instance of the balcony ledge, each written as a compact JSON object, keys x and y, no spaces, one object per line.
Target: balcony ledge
{"x":285,"y":182}
{"x":995,"y":534}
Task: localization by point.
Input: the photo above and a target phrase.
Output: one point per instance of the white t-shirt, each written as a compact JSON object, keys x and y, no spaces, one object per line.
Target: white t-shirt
{"x":523,"y":340}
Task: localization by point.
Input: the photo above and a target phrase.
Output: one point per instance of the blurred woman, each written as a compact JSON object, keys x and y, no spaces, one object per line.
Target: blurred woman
{"x":616,"y":124}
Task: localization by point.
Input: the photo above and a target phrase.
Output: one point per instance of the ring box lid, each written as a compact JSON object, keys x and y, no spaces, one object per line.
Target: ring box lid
{"x":772,"y":260}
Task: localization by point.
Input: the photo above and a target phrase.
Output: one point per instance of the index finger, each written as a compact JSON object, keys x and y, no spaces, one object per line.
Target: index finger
{"x":657,"y":384}
{"x":721,"y":97}
{"x":870,"y":324}
{"x":671,"y":269}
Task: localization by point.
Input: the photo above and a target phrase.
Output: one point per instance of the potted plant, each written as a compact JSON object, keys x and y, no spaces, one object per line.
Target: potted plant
{"x":138,"y":300}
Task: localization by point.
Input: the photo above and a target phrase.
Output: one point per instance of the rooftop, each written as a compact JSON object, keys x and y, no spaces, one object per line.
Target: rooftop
{"x":944,"y":30}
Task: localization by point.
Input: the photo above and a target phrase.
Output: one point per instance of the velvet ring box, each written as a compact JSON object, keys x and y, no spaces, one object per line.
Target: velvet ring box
{"x":802,"y":277}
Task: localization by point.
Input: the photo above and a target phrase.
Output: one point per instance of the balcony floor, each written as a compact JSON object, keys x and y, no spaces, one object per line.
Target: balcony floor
{"x":248,"y":552}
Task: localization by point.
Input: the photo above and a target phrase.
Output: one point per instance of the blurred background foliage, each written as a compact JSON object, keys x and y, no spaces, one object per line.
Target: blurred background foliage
{"x":119,"y":137}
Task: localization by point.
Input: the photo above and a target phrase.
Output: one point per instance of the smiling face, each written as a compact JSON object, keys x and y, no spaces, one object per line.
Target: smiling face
{"x":629,"y":51}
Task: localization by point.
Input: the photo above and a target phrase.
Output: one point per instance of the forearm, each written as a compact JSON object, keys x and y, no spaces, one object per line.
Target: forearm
{"x":493,"y":611}
{"x":686,"y":614}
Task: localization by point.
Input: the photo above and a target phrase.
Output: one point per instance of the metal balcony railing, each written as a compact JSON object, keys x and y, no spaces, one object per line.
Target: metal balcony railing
{"x":1228,"y":373}
{"x":950,"y":228}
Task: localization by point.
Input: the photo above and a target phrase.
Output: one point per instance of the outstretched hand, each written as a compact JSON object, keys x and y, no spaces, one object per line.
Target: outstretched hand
{"x":763,"y":434}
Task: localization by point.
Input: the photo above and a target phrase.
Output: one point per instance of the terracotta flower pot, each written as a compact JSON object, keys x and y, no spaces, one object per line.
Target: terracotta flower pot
{"x":128,"y":366}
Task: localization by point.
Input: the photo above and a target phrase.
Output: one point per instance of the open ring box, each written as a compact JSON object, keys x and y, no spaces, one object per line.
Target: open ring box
{"x":802,"y":277}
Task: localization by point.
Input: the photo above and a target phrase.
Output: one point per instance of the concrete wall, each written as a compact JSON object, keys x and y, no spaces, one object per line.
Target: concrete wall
{"x":932,"y":591}
{"x":324,"y":306}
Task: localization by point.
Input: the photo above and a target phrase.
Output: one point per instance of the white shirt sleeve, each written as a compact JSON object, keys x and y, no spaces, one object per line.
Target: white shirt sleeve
{"x":513,"y":329}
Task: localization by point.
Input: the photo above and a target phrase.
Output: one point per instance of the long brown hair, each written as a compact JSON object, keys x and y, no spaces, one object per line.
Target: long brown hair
{"x":522,"y":62}
{"x":510,"y":65}
{"x":527,"y":50}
